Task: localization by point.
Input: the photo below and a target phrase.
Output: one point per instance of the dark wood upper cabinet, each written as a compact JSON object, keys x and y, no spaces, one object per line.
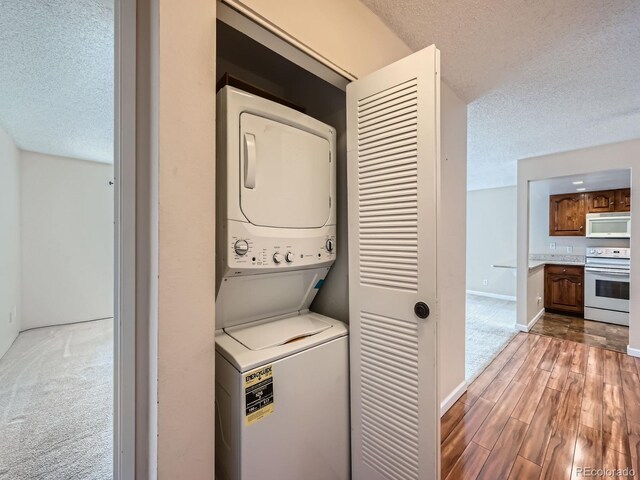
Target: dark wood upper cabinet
{"x":602,"y":201}
{"x":623,"y":200}
{"x":563,"y":288}
{"x":567,"y":215}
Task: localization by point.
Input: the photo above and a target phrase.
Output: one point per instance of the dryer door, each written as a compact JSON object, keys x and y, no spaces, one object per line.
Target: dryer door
{"x":284,"y":174}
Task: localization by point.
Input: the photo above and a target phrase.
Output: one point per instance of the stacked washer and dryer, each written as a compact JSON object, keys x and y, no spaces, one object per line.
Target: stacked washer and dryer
{"x":282,"y":372}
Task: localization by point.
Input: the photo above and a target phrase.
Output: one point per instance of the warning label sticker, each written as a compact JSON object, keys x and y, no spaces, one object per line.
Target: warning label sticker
{"x":258,"y":393}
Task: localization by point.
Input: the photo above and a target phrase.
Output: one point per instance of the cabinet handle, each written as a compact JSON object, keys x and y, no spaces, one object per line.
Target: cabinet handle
{"x":564,"y":270}
{"x":579,"y":284}
{"x":581,"y":227}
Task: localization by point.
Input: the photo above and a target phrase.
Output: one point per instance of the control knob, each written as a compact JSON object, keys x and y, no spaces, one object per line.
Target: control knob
{"x":289,"y":257}
{"x":330,"y":245}
{"x":277,"y":257}
{"x":241,"y":247}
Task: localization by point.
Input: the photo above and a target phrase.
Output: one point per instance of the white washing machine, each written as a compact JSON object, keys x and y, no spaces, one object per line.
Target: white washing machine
{"x":282,"y":384}
{"x":282,"y":390}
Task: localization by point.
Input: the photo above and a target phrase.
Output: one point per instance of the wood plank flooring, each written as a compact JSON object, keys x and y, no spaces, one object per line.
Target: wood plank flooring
{"x":543,"y":409}
{"x":597,"y":334}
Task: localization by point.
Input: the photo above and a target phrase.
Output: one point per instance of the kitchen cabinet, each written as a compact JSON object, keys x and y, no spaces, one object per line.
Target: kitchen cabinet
{"x":564,"y":288}
{"x":623,"y":200}
{"x":602,"y":201}
{"x":567,"y":211}
{"x":567,"y":215}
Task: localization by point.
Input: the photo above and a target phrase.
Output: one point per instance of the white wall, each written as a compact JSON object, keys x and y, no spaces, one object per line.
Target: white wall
{"x":491,"y":239}
{"x":539,"y":238}
{"x":67,"y":240}
{"x":451,"y":239}
{"x":577,"y":162}
{"x":9,"y":242}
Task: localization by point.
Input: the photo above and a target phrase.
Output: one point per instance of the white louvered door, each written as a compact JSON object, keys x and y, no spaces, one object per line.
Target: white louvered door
{"x":393,"y":118}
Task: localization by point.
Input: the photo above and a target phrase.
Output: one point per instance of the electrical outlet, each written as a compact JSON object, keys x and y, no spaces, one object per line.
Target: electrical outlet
{"x":569,"y":249}
{"x":539,"y":299}
{"x":485,"y":282}
{"x":552,"y":246}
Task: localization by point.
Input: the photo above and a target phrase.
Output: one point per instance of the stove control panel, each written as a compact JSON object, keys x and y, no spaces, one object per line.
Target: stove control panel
{"x":608,"y":252}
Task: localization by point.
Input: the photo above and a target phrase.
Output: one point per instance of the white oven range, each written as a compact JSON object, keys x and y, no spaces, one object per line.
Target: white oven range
{"x":606,"y":285}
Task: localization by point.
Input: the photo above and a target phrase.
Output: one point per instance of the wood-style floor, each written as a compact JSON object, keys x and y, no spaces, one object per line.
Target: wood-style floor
{"x":542,"y":409}
{"x":598,"y":334}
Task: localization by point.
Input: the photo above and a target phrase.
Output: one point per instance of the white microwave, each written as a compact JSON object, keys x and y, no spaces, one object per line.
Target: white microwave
{"x":609,"y":225}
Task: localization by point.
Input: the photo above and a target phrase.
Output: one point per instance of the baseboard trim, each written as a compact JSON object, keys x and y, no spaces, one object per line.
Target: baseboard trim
{"x":533,"y":321}
{"x":492,"y":295}
{"x":634,"y":352}
{"x":448,"y":402}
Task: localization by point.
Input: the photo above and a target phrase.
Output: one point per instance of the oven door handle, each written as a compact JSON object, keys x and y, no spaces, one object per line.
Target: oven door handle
{"x":608,"y":271}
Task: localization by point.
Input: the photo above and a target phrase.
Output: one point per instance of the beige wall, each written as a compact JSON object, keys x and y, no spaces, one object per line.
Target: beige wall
{"x":345,"y":32}
{"x":491,"y":239}
{"x":535,"y":294}
{"x":10,"y":297}
{"x":618,"y":156}
{"x":451,"y":239}
{"x":186,"y":224}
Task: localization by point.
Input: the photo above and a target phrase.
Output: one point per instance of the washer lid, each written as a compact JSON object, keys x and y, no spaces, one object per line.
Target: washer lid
{"x":278,"y":332}
{"x":245,"y":359}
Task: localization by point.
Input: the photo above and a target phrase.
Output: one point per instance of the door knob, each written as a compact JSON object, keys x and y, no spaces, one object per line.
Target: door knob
{"x":421,"y":310}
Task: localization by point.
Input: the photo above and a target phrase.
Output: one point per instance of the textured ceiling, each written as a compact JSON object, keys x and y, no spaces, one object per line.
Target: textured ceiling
{"x":56,"y":76}
{"x":591,"y":182}
{"x":539,"y":76}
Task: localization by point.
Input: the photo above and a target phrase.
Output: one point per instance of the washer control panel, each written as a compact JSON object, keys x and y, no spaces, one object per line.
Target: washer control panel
{"x":247,"y":252}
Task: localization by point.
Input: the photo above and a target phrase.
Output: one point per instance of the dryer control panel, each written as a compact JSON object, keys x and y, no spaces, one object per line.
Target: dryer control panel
{"x":249,"y":251}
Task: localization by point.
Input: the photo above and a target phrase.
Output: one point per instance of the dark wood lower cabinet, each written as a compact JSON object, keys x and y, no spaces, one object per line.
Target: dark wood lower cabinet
{"x":564,"y":288}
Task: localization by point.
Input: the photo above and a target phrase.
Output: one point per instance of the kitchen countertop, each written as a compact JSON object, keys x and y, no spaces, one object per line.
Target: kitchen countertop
{"x":535,"y":264}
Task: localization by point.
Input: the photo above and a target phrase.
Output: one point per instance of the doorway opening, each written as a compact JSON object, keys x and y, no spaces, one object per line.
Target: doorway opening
{"x":57,"y":239}
{"x":491,"y":275}
{"x":579,"y":254}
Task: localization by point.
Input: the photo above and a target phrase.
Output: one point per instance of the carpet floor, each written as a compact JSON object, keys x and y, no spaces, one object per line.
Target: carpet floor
{"x":56,"y":403}
{"x":490,"y":326}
